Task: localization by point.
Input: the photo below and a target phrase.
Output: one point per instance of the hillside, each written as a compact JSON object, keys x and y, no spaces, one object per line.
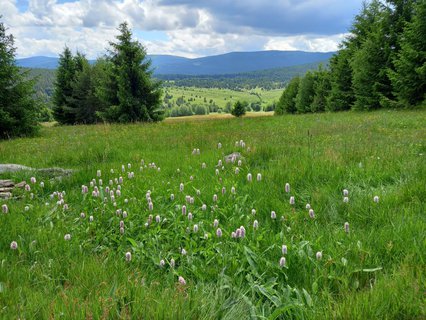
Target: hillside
{"x":230,"y":63}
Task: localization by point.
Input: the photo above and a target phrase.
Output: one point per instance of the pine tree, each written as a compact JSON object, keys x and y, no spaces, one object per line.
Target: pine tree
{"x":287,"y":102}
{"x":409,"y":78}
{"x":305,"y":94}
{"x":239,"y":109}
{"x":18,"y":109}
{"x":321,"y":89}
{"x":129,"y":91}
{"x":63,"y":88}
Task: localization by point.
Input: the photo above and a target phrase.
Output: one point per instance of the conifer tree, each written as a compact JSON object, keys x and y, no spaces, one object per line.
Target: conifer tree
{"x":409,"y":77}
{"x":239,"y":109}
{"x":287,"y":102}
{"x":18,"y":109}
{"x":129,"y":91}
{"x":305,"y":94}
{"x":321,"y":90}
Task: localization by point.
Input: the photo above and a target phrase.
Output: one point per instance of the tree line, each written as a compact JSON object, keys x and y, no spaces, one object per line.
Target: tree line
{"x":381,"y":64}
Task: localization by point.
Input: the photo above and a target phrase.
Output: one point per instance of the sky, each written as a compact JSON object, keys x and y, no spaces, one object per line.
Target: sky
{"x":178,"y":27}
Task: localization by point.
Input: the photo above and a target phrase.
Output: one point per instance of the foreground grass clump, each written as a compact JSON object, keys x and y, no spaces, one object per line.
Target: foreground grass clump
{"x":117,"y":248}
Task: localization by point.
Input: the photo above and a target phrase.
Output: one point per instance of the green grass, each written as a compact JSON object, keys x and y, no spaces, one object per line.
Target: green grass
{"x":376,"y":271}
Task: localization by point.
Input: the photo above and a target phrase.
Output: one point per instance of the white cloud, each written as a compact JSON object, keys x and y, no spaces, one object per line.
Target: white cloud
{"x":193,"y":28}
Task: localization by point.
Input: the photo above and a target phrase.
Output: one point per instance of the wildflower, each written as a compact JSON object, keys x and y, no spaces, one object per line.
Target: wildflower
{"x":4,"y":208}
{"x":255,"y":224}
{"x":195,"y":228}
{"x":128,"y":256}
{"x":27,"y":187}
{"x":233,"y":190}
{"x":223,"y":190}
{"x":206,"y":236}
{"x":121,"y":224}
{"x":65,"y":207}
{"x":311,"y":213}
{"x":292,"y":200}
{"x":287,"y":187}
{"x":98,"y":173}
{"x":242,"y":232}
{"x":273,"y":215}
{"x":282,"y":262}
{"x":187,"y":198}
{"x":122,"y":230}
{"x":183,"y":210}
{"x":249,"y":177}
{"x":150,"y":206}
{"x":253,"y":211}
{"x":67,"y":237}
{"x":190,"y":216}
{"x":181,"y":187}
{"x":237,"y":233}
{"x":91,"y":218}
{"x":13,"y":245}
{"x":239,"y":163}
{"x":182,"y":280}
{"x":217,"y":172}
{"x":191,"y":178}
{"x":219,"y":145}
{"x":42,"y":184}
{"x":308,"y":206}
{"x":129,"y":165}
{"x":33,"y":180}
{"x":259,"y":177}
{"x":319,"y":255}
{"x":219,"y":163}
{"x":219,"y":232}
{"x":284,"y":249}
{"x":126,"y":201}
{"x":162,"y":263}
{"x":118,"y":193}
{"x":100,"y":182}
{"x":84,"y":189}
{"x":178,"y":170}
{"x":172,"y":197}
{"x":347,"y":227}
{"x":120,"y":180}
{"x":157,"y":218}
{"x":233,"y":234}
{"x":345,"y":199}
{"x":203,"y":165}
{"x":237,"y":170}
{"x":172,"y":262}
{"x":82,"y":215}
{"x":345,"y":192}
{"x":376,"y":199}
{"x":215,"y":198}
{"x":215,"y":223}
{"x":204,"y":207}
{"x":183,"y":252}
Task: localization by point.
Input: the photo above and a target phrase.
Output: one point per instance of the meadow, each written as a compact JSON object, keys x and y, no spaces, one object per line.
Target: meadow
{"x":220,"y":97}
{"x":322,"y":217}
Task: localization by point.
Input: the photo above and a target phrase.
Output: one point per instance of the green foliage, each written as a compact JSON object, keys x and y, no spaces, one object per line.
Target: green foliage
{"x":18,"y":109}
{"x":132,"y":95}
{"x":321,"y":90}
{"x":305,"y":93}
{"x":239,"y":109}
{"x":409,"y":77}
{"x":287,"y":101}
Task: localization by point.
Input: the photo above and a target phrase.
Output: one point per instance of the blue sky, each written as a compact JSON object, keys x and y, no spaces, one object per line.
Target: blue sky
{"x":179,"y":27}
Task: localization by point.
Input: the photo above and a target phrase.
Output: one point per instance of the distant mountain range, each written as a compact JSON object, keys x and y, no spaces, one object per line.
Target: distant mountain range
{"x":229,"y":63}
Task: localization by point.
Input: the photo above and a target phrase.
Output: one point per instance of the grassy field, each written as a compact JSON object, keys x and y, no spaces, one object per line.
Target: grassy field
{"x":221,"y":97}
{"x":372,"y":268}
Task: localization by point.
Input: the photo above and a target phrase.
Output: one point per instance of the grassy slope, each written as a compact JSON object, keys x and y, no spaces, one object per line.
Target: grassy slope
{"x":374,"y":272}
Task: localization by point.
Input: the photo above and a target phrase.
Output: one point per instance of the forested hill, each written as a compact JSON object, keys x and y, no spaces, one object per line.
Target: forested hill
{"x":230,"y":63}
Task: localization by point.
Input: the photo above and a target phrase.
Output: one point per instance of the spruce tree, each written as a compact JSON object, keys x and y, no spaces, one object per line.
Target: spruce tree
{"x":239,"y":109}
{"x":409,"y":77}
{"x":321,"y":90}
{"x":18,"y":110}
{"x":287,"y":102}
{"x":305,"y":94}
{"x":63,"y":88}
{"x":129,"y":91}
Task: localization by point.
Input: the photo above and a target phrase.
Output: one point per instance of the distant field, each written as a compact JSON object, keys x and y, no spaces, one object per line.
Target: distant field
{"x":358,"y":257}
{"x":216,"y":116}
{"x":220,"y":97}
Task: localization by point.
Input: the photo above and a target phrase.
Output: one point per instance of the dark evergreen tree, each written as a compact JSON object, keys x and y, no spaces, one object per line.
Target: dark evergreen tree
{"x":239,"y":109}
{"x":321,"y":90}
{"x":305,"y":94}
{"x":341,"y":95}
{"x":287,"y":102}
{"x":63,"y":88}
{"x":409,"y":77}
{"x":129,"y":91}
{"x":18,"y":110}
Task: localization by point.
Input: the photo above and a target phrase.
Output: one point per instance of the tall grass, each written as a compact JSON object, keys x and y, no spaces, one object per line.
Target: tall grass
{"x":374,"y":271}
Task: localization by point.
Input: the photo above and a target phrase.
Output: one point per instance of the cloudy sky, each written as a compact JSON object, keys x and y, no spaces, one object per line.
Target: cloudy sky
{"x":179,"y":27}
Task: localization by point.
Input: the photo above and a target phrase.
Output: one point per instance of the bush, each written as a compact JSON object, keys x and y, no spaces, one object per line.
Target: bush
{"x":238,"y":110}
